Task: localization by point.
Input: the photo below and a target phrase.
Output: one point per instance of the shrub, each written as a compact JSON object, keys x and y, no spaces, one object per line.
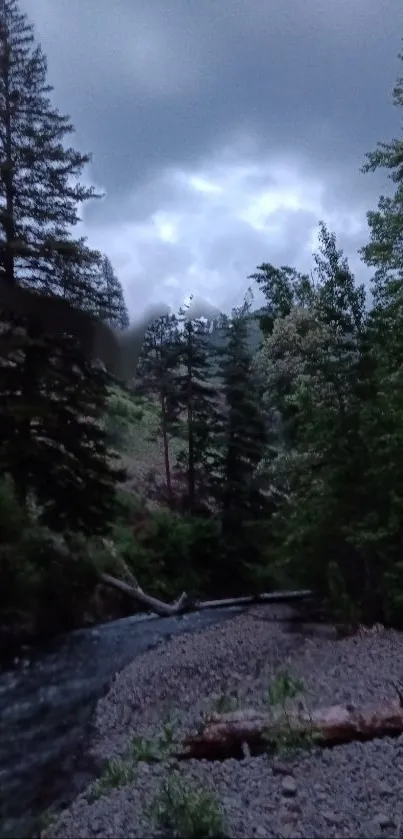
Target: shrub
{"x":117,"y":773}
{"x":189,"y":813}
{"x":167,"y":552}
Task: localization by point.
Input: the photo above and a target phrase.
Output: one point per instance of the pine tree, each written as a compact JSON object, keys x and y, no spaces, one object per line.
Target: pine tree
{"x":79,"y":278}
{"x":113,"y":308}
{"x":40,"y":197}
{"x":39,"y":174}
{"x":242,"y":443}
{"x":195,"y":395}
{"x":156,"y":373}
{"x":63,"y":460}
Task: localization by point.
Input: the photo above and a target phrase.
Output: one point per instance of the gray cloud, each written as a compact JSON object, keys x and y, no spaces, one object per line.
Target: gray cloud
{"x":160,"y":93}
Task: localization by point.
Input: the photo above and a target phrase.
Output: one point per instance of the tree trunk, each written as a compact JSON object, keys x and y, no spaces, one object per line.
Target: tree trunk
{"x":185,"y":604}
{"x":224,"y":734}
{"x":152,"y":603}
{"x":31,"y":377}
{"x":166,"y":449}
{"x":270,"y":597}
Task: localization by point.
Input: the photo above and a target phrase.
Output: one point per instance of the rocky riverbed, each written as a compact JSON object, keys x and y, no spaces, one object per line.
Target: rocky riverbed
{"x":351,"y":790}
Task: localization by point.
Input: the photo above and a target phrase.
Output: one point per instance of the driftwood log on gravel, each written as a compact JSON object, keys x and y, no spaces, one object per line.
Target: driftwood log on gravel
{"x":186,"y":604}
{"x":224,"y":735}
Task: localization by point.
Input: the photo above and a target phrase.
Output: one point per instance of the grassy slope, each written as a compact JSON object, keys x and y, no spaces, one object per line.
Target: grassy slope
{"x":141,"y":449}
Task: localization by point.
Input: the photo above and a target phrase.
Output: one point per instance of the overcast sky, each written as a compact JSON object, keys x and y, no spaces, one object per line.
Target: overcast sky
{"x":223,"y":130}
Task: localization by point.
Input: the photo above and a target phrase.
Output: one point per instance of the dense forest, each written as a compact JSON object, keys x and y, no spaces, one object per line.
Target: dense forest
{"x":281,"y":427}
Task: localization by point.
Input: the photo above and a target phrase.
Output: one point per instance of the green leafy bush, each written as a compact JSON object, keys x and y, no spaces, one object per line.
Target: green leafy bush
{"x":121,"y":413}
{"x":167,"y":552}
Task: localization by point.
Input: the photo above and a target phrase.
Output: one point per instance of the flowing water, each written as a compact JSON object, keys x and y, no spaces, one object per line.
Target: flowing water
{"x":46,"y":703}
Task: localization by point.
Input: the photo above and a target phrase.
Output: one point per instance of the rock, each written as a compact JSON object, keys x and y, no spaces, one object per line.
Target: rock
{"x":385,"y":789}
{"x":229,"y":801}
{"x":381,"y":820}
{"x":294,"y":808}
{"x":287,"y":815}
{"x":288,"y":831}
{"x":289,"y":786}
{"x":332,"y":818}
{"x":260,"y":832}
{"x":279,"y":768}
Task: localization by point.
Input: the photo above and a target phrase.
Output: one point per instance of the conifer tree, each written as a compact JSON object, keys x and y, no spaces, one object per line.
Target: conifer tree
{"x":113,"y":307}
{"x":156,"y":373}
{"x":39,"y":173}
{"x":242,"y":440}
{"x":195,"y":395}
{"x":39,"y":205}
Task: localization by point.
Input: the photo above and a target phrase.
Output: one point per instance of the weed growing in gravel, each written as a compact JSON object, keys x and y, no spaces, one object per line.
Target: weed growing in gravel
{"x":118,"y":772}
{"x":168,"y":737}
{"x":286,"y":738}
{"x":283,"y":687}
{"x":187,"y":813}
{"x":225,"y":703}
{"x":143,"y":749}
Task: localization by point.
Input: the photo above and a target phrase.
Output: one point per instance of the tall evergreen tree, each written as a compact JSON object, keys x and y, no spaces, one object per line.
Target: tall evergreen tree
{"x":242,"y":443}
{"x":79,"y":278}
{"x":39,"y":205}
{"x":156,"y":373}
{"x":195,"y":395}
{"x":39,"y":174}
{"x":64,"y":461}
{"x":113,"y":307}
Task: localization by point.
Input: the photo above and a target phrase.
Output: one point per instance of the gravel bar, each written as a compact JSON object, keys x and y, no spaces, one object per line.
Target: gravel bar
{"x":351,"y":790}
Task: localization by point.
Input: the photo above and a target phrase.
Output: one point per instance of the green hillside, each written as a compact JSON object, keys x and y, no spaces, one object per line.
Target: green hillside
{"x":133,"y":425}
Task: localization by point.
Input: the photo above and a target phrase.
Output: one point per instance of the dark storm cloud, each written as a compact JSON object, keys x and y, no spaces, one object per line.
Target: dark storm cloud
{"x":166,"y":93}
{"x":156,"y":84}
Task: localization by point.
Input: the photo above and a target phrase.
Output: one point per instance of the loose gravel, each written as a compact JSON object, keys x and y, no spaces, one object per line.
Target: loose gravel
{"x":351,"y":790}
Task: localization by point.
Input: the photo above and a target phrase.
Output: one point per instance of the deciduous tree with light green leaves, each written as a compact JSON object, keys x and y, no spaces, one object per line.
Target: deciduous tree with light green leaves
{"x":311,"y":360}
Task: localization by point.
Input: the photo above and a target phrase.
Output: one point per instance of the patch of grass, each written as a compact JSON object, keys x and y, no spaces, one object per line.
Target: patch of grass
{"x":191,"y":813}
{"x":168,"y":737}
{"x":283,"y":687}
{"x":286,"y":739}
{"x":133,"y":423}
{"x":118,"y":772}
{"x":225,"y":703}
{"x":144,"y":749}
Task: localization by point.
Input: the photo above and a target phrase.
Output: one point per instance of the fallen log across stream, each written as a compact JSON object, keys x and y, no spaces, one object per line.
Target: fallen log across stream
{"x":184,"y":603}
{"x":224,"y":735}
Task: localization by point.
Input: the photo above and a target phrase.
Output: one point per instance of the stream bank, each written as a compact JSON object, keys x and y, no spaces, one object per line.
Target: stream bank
{"x":349,"y":790}
{"x":47,"y":701}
